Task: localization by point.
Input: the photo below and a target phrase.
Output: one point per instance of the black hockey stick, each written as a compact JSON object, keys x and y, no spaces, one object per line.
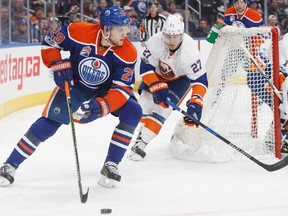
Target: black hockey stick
{"x":83,"y":197}
{"x":269,"y":167}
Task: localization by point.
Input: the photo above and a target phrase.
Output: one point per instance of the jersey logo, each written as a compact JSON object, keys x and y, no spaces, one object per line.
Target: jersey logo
{"x":157,"y":25}
{"x":238,"y":24}
{"x":146,"y":55}
{"x":85,"y":51}
{"x":166,"y":71}
{"x":142,"y":7}
{"x":93,"y":71}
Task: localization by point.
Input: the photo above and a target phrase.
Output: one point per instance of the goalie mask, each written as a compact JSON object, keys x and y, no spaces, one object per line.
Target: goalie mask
{"x":173,"y":31}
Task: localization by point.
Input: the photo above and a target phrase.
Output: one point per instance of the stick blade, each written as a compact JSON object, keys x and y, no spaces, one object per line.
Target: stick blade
{"x":84,"y":197}
{"x":279,"y":165}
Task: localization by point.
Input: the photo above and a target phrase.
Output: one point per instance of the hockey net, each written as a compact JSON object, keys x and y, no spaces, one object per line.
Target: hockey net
{"x":237,"y":104}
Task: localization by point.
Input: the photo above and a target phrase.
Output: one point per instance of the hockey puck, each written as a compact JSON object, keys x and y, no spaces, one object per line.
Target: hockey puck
{"x":106,"y":211}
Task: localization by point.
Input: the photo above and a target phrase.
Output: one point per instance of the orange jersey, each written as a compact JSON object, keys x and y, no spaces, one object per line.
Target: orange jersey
{"x":95,"y":68}
{"x":250,"y":18}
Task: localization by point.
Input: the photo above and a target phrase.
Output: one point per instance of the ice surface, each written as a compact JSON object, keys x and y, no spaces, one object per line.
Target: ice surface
{"x":46,"y":183}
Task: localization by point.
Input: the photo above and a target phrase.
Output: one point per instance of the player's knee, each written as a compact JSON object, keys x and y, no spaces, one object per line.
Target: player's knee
{"x":136,"y":111}
{"x":44,"y":128}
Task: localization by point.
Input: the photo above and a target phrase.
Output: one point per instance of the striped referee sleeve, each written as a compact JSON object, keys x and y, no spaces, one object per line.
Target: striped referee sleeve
{"x":151,"y":26}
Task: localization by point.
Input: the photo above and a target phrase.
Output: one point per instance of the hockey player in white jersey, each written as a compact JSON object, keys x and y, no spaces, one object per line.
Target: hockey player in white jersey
{"x":284,"y":88}
{"x":170,"y":66}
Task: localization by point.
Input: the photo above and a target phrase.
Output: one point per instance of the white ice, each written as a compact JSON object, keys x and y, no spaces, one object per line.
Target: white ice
{"x":46,"y":183}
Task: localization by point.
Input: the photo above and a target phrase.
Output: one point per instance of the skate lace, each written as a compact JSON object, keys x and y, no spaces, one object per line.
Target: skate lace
{"x":7,"y":168}
{"x":140,"y":144}
{"x":112,"y":167}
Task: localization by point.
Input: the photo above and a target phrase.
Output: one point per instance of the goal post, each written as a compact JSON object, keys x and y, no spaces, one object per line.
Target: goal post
{"x":237,"y":103}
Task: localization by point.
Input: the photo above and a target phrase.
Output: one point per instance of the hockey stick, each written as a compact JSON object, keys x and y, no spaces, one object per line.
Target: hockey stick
{"x":268,"y":167}
{"x":248,"y":54}
{"x":83,"y":197}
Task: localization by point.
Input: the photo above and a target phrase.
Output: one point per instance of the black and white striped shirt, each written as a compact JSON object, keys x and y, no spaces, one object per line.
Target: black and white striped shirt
{"x":151,"y":26}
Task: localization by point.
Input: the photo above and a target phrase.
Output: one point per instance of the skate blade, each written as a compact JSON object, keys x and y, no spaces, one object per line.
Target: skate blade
{"x":4,"y":182}
{"x":106,"y":182}
{"x":134,"y":156}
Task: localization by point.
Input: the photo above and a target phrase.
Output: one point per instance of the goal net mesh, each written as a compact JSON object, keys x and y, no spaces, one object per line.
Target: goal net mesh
{"x":237,"y":105}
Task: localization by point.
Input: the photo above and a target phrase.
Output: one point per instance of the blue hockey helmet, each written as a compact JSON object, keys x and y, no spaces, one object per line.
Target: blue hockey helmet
{"x":114,"y":16}
{"x":234,"y":1}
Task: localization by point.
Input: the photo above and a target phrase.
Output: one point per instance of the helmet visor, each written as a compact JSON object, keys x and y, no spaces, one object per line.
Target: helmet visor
{"x":173,"y":38}
{"x":119,"y":30}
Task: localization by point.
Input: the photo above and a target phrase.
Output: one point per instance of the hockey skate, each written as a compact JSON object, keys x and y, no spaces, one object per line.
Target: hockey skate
{"x":109,"y":174}
{"x":137,"y":151}
{"x":7,"y":172}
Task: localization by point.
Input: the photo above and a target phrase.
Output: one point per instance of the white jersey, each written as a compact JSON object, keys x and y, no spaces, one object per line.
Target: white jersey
{"x":185,"y":61}
{"x":283,"y":46}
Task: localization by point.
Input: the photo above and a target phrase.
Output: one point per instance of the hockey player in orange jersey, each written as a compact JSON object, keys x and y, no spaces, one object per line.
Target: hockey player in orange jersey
{"x":99,"y":70}
{"x":240,"y":15}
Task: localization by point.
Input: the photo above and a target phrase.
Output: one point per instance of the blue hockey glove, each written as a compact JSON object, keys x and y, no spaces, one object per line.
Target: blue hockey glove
{"x":160,"y":93}
{"x":194,"y":108}
{"x":62,"y":71}
{"x":96,"y":108}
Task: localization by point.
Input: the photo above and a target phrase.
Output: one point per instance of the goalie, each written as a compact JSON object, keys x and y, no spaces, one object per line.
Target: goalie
{"x":284,"y":87}
{"x":170,"y":66}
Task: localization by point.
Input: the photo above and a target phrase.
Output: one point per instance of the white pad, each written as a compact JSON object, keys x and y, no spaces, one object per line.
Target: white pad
{"x":284,"y":105}
{"x":188,"y":143}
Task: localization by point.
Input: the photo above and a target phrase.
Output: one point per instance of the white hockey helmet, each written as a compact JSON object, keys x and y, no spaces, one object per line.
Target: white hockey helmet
{"x":174,"y":25}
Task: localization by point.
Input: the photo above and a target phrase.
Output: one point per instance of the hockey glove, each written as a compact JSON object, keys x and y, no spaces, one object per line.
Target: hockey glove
{"x":160,"y":93}
{"x":96,"y":108}
{"x":194,"y":108}
{"x":62,"y":71}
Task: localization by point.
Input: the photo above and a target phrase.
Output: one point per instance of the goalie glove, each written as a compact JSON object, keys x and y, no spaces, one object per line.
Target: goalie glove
{"x":96,"y":108}
{"x":194,"y":108}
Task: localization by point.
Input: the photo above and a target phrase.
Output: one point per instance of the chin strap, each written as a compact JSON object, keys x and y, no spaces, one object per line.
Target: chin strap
{"x":106,"y":38}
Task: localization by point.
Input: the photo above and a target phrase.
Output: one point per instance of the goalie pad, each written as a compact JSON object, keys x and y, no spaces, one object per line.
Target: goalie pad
{"x":284,"y":105}
{"x":188,"y":143}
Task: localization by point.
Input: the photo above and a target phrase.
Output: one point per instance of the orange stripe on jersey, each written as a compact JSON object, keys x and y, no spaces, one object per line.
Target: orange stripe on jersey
{"x":115,"y":99}
{"x":153,"y":126}
{"x":49,"y":55}
{"x":121,"y":138}
{"x":46,"y":108}
{"x":150,"y":78}
{"x":230,"y":10}
{"x":144,"y":120}
{"x":129,"y":90}
{"x":256,"y":42}
{"x":90,"y":30}
{"x":199,"y":90}
{"x":253,"y":15}
{"x":282,"y":79}
{"x":25,"y":147}
{"x":127,"y":52}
